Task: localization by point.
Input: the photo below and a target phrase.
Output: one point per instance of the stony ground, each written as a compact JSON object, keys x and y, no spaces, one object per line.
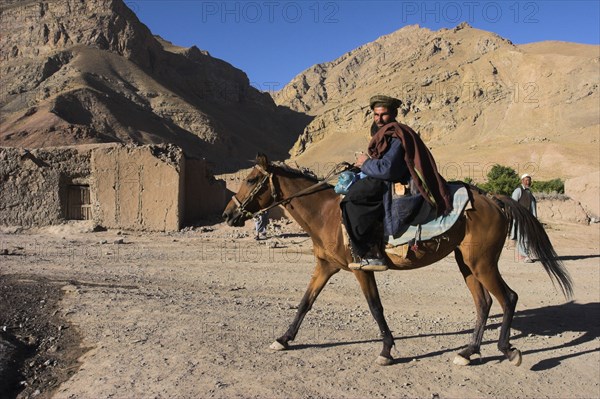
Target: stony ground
{"x":192,"y":314}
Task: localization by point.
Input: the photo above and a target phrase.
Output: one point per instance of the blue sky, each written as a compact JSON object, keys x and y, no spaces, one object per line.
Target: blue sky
{"x":274,"y":40}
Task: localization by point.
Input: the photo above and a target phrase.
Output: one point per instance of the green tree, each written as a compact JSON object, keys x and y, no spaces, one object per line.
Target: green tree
{"x":501,"y":180}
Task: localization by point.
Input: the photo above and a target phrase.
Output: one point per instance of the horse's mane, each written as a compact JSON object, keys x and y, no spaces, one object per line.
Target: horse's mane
{"x":298,"y":171}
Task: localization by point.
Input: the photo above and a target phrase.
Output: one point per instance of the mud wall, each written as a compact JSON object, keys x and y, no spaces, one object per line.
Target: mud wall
{"x":561,"y":210}
{"x":33,"y":183}
{"x":138,"y":188}
{"x":204,"y":195}
{"x":586,"y":190}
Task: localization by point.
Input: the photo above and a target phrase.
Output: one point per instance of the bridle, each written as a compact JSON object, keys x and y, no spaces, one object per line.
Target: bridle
{"x":242,"y":205}
{"x":268,"y":176}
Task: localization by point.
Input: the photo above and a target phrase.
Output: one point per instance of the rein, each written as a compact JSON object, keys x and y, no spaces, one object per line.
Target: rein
{"x":269,"y":176}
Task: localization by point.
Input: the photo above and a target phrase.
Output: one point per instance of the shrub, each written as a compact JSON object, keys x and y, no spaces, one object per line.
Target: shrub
{"x":501,"y":180}
{"x":504,"y":179}
{"x":548,"y":186}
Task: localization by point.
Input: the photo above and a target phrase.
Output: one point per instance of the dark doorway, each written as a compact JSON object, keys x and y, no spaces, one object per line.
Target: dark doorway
{"x":78,"y":203}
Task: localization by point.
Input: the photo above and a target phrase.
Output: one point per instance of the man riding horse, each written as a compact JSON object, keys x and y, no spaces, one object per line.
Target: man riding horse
{"x":396,"y":154}
{"x":476,"y":238}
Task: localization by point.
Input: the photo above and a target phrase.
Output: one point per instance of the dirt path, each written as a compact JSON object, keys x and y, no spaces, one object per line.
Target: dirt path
{"x":192,"y":314}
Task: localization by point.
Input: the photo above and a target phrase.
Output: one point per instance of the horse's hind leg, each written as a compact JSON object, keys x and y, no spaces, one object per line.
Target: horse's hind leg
{"x":322,"y":274}
{"x":483,"y":303}
{"x":508,"y":300}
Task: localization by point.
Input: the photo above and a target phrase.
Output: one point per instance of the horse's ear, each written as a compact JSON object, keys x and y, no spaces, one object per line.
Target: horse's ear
{"x":261,"y":159}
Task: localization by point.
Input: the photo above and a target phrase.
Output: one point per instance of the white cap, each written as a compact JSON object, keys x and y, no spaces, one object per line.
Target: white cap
{"x":525,"y":175}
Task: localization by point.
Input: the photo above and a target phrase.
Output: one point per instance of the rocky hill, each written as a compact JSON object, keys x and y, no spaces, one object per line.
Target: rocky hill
{"x":75,"y":72}
{"x":476,"y":99}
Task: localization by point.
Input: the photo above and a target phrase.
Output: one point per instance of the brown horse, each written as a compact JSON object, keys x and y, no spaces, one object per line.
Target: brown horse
{"x":477,"y":240}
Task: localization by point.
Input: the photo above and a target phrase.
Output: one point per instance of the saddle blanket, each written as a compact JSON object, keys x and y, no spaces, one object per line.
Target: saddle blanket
{"x":434,"y":226}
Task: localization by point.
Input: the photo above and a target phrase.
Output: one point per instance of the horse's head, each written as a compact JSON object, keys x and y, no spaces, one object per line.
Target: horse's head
{"x":255,"y":193}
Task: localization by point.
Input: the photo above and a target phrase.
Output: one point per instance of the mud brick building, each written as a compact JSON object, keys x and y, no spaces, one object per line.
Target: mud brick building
{"x":151,"y":187}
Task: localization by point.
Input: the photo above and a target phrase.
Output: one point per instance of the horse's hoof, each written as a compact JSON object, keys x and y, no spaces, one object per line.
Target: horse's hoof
{"x":461,"y":360}
{"x":515,"y":357}
{"x":383,"y":361}
{"x":277,"y":346}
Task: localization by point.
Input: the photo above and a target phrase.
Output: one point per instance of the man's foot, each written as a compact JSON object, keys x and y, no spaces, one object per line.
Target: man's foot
{"x":369,"y":265}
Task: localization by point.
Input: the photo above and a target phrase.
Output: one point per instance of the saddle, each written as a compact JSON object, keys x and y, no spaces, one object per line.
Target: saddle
{"x":422,"y":223}
{"x":426,"y":225}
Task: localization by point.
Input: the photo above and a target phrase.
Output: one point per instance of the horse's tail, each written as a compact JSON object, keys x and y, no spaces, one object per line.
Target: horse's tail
{"x":531,"y":234}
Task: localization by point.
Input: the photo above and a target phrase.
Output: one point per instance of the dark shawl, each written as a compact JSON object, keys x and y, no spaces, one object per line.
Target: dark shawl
{"x":420,"y":163}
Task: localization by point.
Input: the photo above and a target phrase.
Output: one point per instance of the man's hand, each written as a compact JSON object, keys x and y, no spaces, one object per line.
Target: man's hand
{"x":360,"y":159}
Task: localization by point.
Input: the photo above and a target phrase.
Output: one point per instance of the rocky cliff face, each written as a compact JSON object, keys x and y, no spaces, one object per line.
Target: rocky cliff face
{"x":34,"y":28}
{"x":475,"y":98}
{"x":76,"y":72}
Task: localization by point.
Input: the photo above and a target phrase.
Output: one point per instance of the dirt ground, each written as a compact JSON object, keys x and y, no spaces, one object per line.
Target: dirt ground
{"x":192,"y":314}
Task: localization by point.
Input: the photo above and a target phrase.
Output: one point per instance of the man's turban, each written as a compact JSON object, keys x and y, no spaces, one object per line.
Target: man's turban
{"x":384,"y":101}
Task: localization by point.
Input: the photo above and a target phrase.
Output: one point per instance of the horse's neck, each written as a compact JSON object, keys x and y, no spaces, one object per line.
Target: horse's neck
{"x":311,"y":211}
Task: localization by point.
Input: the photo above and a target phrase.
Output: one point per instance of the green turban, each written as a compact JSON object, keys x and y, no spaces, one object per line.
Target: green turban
{"x":384,"y":101}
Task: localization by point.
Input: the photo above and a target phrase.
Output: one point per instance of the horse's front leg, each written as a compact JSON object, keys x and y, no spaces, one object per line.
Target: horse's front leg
{"x":369,"y":288}
{"x":322,"y":274}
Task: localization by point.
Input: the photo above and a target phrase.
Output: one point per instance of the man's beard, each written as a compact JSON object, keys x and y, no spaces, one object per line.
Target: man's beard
{"x":375,"y":128}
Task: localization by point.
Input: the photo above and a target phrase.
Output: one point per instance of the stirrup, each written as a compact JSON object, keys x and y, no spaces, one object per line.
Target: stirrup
{"x":369,"y":265}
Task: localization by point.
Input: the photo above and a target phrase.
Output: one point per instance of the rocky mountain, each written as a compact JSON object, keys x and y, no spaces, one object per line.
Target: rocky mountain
{"x":75,"y":72}
{"x":476,"y":98}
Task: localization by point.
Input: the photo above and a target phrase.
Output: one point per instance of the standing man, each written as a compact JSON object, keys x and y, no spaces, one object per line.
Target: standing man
{"x":395,"y":154}
{"x":524,"y":196}
{"x":260,"y":225}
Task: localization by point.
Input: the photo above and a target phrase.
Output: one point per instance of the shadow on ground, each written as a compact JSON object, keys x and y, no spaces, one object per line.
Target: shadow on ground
{"x":554,"y":320}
